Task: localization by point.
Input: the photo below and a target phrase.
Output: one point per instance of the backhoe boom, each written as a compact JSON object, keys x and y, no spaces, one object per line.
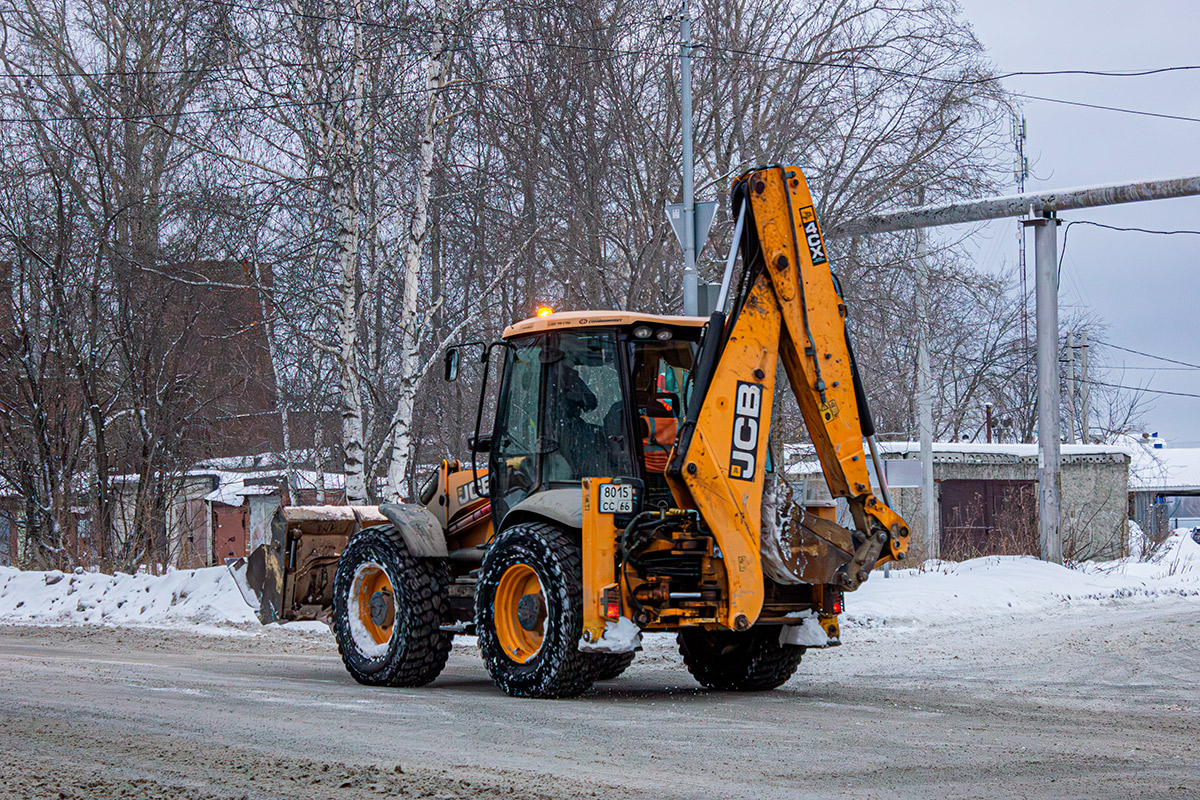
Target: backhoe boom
{"x":789,"y":309}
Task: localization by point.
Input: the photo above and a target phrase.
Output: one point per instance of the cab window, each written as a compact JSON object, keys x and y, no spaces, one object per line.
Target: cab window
{"x":585,"y":430}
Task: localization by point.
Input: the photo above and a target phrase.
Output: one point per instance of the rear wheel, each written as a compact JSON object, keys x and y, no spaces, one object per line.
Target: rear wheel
{"x":387,"y":611}
{"x":529,"y":613}
{"x":753,"y":660}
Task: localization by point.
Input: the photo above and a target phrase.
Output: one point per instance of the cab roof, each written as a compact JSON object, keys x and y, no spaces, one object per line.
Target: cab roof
{"x":597,"y":319}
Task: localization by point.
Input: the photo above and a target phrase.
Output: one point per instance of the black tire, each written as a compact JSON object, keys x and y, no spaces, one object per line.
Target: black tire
{"x":557,"y":668}
{"x":417,"y":649}
{"x":607,"y":666}
{"x":745,"y":662}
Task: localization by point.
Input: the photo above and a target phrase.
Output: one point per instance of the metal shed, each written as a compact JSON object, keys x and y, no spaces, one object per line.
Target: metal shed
{"x":987,"y":496}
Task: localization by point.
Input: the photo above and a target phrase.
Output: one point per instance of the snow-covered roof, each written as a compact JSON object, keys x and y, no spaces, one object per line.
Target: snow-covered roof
{"x":1165,"y":469}
{"x":801,"y":458}
{"x":233,"y":487}
{"x":1006,"y":448}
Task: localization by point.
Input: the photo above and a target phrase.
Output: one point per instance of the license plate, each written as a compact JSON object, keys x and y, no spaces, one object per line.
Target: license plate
{"x":616,"y":498}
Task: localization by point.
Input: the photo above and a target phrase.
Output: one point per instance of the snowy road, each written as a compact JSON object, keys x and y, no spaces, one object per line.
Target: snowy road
{"x":1082,"y":703}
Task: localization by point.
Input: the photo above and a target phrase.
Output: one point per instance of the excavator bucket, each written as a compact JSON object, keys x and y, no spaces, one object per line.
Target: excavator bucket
{"x":798,"y":546}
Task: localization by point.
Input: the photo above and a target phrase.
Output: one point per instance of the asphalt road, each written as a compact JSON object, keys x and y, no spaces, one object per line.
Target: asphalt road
{"x":1092,"y":703}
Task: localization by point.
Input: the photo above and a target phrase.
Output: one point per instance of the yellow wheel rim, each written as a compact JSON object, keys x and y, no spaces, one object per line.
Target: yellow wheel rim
{"x":376,"y":601}
{"x":520,"y":612}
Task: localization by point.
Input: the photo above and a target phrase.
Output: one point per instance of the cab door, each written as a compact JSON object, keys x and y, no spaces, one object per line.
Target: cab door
{"x":513,"y":460}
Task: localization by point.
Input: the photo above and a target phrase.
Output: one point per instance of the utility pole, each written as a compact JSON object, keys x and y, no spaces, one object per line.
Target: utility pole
{"x":1044,"y":205}
{"x":925,"y":397}
{"x":1084,"y":389}
{"x":691,"y":276}
{"x":1045,"y":249}
{"x":1071,"y":388}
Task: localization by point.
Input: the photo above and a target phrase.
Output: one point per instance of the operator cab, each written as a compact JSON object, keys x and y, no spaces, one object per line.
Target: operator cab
{"x":588,"y":395}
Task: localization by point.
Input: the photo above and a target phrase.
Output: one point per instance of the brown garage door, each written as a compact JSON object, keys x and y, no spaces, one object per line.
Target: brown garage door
{"x":229,"y":532}
{"x":983,"y":518}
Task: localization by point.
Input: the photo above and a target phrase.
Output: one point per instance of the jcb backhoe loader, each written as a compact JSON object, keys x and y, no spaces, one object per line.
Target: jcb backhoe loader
{"x":624,"y":492}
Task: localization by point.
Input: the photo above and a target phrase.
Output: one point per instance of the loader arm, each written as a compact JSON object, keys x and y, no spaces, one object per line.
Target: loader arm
{"x":790,"y":310}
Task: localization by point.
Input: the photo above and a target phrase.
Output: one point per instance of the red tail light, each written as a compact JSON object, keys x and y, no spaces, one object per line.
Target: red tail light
{"x":611,"y":602}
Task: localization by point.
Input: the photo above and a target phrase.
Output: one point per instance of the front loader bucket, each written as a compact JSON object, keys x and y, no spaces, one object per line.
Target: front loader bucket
{"x":259,"y":577}
{"x":291,"y":576}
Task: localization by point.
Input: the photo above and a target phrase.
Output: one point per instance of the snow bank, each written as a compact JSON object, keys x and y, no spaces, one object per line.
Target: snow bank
{"x":179,"y":598}
{"x":941,"y":591}
{"x":935,"y":593}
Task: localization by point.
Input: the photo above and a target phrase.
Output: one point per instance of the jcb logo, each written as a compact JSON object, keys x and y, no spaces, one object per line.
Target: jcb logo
{"x":466,"y":493}
{"x":812,"y":235}
{"x":747,"y":411}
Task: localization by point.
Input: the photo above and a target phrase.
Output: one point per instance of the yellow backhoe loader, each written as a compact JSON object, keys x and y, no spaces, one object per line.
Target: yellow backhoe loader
{"x":628,"y":488}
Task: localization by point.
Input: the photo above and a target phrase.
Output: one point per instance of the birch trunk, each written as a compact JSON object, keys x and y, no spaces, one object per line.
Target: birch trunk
{"x":349,"y":236}
{"x":352,"y":410}
{"x":413,"y":326}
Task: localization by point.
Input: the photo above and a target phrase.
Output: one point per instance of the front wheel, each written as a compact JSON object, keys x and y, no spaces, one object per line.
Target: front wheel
{"x":529,"y":613}
{"x":387,"y":611}
{"x":749,"y":661}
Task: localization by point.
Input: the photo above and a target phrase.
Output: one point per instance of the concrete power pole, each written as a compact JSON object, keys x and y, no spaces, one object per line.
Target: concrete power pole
{"x":1084,"y":389}
{"x":1071,"y":388}
{"x":1049,"y":396}
{"x":925,"y":398}
{"x":691,"y":276}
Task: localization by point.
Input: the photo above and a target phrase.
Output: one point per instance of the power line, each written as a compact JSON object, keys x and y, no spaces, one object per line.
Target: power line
{"x":150,"y":116}
{"x":1067,"y":231}
{"x":1140,"y":389}
{"x":899,"y":73}
{"x":553,"y":44}
{"x":525,"y":41}
{"x":1097,"y":106}
{"x":1134,"y":230}
{"x":1147,"y":355}
{"x":1117,"y":73}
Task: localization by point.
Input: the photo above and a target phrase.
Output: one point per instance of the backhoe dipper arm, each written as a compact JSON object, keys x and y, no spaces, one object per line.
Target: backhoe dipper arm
{"x":789,"y":308}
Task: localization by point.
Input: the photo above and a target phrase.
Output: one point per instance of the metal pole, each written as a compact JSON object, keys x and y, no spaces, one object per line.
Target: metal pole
{"x":1071,"y":388}
{"x":1045,"y":243}
{"x":691,"y":277}
{"x":733,"y":251}
{"x":1015,"y":205}
{"x":925,"y":401}
{"x":1084,"y":389}
{"x":880,"y":473}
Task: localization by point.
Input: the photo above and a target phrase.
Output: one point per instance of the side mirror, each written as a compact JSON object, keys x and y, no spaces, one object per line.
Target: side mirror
{"x":452,"y":364}
{"x":483,"y":444}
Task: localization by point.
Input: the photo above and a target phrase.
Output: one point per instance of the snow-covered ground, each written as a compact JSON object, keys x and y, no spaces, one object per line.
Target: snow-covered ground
{"x":931,"y":594}
{"x":942,"y":591}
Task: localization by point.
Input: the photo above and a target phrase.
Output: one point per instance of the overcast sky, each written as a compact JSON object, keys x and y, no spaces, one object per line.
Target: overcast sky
{"x":1146,"y":288}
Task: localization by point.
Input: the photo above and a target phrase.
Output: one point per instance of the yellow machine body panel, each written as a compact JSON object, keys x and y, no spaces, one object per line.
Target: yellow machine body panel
{"x":599,"y":559}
